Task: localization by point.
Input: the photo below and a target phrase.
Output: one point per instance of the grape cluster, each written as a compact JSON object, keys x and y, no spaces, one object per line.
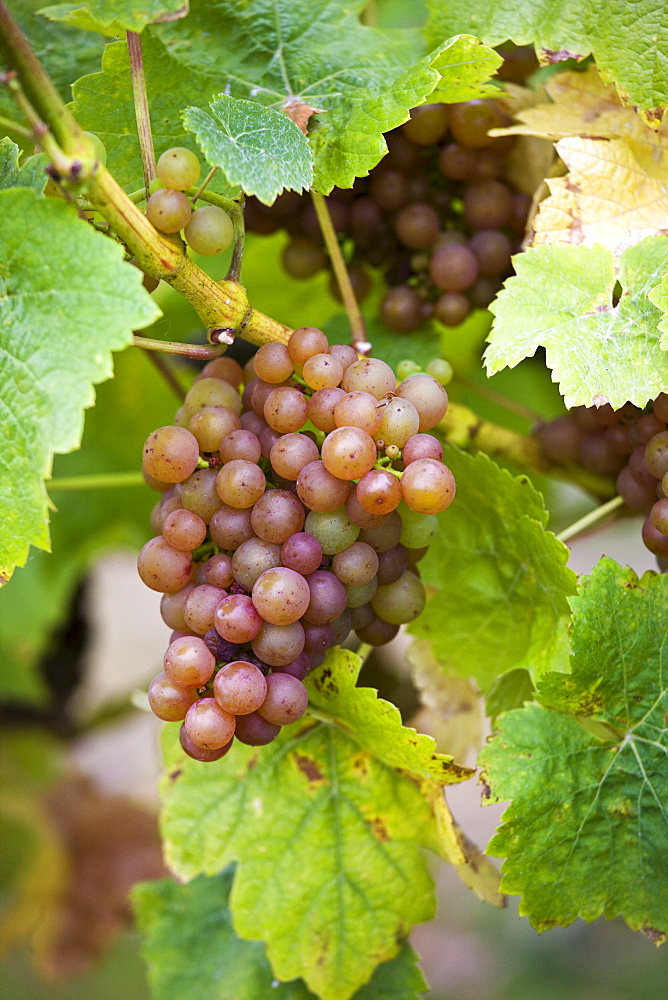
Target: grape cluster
{"x":438,"y":215}
{"x":628,"y":443}
{"x":207,"y":230}
{"x":291,"y":513}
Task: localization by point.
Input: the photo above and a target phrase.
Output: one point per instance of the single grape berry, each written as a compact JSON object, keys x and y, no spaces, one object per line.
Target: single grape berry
{"x":178,"y":168}
{"x":168,"y":210}
{"x":209,"y":231}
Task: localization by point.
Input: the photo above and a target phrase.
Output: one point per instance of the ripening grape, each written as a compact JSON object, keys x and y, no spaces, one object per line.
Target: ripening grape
{"x":209,"y":231}
{"x":178,"y":168}
{"x":168,"y":210}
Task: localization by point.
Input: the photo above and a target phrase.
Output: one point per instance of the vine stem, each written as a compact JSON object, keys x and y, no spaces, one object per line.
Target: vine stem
{"x":222,"y":305}
{"x":141,"y":108}
{"x":11,"y":126}
{"x":519,"y":409}
{"x":97,"y":481}
{"x":359,"y":338}
{"x":199,"y":352}
{"x":163,"y":367}
{"x":593,"y":517}
{"x":209,"y":177}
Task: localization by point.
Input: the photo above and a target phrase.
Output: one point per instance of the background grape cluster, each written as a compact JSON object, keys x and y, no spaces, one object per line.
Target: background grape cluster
{"x":628,"y":443}
{"x":438,"y":216}
{"x":292,"y":512}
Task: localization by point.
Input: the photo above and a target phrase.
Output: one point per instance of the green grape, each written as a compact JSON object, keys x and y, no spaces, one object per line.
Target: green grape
{"x":406,"y":368}
{"x":417,"y":529}
{"x":178,"y":168}
{"x":333,"y":530}
{"x":441,"y":370}
{"x":168,"y":210}
{"x":210,"y":231}
{"x":100,"y":148}
{"x":399,"y":421}
{"x":363,"y":594}
{"x":400,"y":602}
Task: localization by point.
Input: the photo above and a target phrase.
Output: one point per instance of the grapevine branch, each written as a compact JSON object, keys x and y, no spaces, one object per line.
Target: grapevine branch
{"x":590,"y":519}
{"x":141,"y":108}
{"x":221,"y":305}
{"x":359,"y":338}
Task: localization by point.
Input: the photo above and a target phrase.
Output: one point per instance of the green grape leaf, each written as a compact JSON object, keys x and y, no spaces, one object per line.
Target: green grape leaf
{"x":327,"y":837}
{"x":586,"y":829}
{"x":501,"y":579}
{"x":65,"y":51}
{"x":241,"y":138}
{"x":314,"y":57}
{"x":510,"y":690}
{"x":658,"y":295}
{"x":376,"y":723}
{"x":111,"y":17}
{"x":29,"y":174}
{"x":85,"y":522}
{"x":575,"y":28}
{"x":561,"y":298}
{"x":103,"y":104}
{"x":193,"y":951}
{"x":68,"y":301}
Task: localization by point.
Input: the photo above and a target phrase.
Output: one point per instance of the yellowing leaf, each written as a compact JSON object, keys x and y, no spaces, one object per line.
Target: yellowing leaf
{"x":616,"y":190}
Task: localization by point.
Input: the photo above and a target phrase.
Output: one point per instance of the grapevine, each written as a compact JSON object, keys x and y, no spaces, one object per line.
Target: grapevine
{"x":258,"y":263}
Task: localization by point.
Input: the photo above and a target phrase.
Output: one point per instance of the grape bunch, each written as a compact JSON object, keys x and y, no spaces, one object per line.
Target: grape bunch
{"x":207,"y":230}
{"x":291,"y":513}
{"x":628,"y":443}
{"x":438,"y":215}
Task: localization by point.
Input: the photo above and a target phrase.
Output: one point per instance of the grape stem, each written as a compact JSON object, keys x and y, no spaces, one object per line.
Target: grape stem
{"x":221,"y":305}
{"x":199,"y":352}
{"x":11,"y":126}
{"x":141,"y":108}
{"x":593,"y":517}
{"x":359,"y":340}
{"x":209,"y":177}
{"x":97,"y":481}
{"x":165,"y":370}
{"x":239,"y":223}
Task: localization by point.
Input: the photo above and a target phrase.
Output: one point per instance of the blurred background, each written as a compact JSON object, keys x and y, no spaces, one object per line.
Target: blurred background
{"x":80,"y":638}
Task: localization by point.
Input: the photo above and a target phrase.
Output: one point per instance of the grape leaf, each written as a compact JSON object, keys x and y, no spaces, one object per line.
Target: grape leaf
{"x":29,"y":174}
{"x":376,"y":723}
{"x":614,"y":193}
{"x":562,"y":298}
{"x":68,"y":301}
{"x":628,"y":40}
{"x":108,"y":16}
{"x":85,"y":523}
{"x":241,"y":138}
{"x":316,"y":54}
{"x":501,"y":579}
{"x":323,"y":827}
{"x":511,"y":690}
{"x":65,"y":51}
{"x":193,"y":951}
{"x":103,"y":104}
{"x":585,"y":832}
